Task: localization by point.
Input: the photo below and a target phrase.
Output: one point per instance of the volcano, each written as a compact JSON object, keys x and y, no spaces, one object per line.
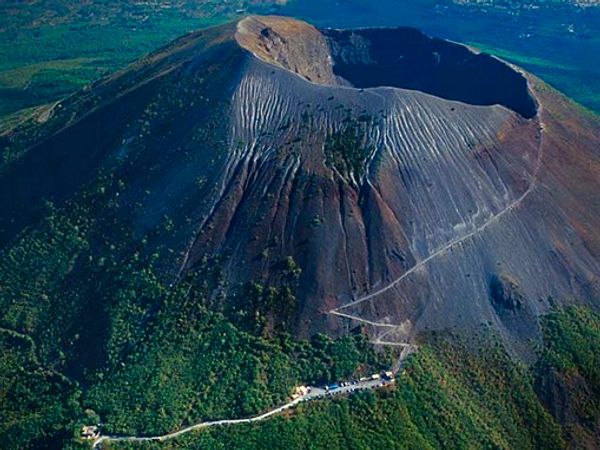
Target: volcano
{"x":417,"y":184}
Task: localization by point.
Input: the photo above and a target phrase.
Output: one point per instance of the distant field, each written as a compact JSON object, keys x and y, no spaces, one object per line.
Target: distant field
{"x":20,"y":77}
{"x":51,"y":48}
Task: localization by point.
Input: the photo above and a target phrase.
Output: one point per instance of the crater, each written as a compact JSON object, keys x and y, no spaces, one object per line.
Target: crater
{"x":407,"y":58}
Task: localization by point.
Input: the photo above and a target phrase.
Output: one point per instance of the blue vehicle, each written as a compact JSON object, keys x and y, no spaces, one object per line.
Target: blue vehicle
{"x":331,"y":387}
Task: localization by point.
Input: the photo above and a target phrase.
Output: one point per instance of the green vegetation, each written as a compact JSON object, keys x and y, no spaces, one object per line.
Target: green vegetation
{"x":447,"y":396}
{"x":255,"y":305}
{"x":146,"y":357}
{"x":570,"y":364}
{"x":49,"y":49}
{"x":34,"y":267}
{"x":210,"y":370}
{"x":89,"y":329}
{"x":262,"y":309}
{"x":347,"y":151}
{"x":20,"y":77}
{"x":149,"y":359}
{"x":570,"y":343}
{"x":38,"y":407}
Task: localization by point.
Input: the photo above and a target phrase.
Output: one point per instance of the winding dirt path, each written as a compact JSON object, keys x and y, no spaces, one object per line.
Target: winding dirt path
{"x":197,"y":426}
{"x":314,"y":394}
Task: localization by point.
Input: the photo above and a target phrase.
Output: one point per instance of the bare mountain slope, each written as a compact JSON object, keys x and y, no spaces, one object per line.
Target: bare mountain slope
{"x":418,"y":186}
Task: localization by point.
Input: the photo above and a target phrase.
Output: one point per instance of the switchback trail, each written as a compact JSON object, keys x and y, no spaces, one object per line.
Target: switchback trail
{"x":493,"y":219}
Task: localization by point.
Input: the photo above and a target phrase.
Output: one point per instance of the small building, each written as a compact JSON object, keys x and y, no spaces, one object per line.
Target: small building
{"x":375,"y":376}
{"x":300,"y":391}
{"x":90,"y":432}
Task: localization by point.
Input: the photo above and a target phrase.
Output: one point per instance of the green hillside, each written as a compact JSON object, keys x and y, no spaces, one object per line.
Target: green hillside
{"x":447,"y":396}
{"x":150,"y":359}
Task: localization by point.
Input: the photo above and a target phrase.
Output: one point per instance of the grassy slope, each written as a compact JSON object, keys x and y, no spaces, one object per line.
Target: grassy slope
{"x":568,"y":379}
{"x":446,"y":398}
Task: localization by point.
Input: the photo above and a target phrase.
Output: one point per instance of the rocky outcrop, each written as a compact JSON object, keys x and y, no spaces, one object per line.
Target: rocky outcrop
{"x":505,"y":293}
{"x":288,"y":43}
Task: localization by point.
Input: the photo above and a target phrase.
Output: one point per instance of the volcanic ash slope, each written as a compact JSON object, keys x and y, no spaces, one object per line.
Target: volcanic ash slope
{"x":418,"y":185}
